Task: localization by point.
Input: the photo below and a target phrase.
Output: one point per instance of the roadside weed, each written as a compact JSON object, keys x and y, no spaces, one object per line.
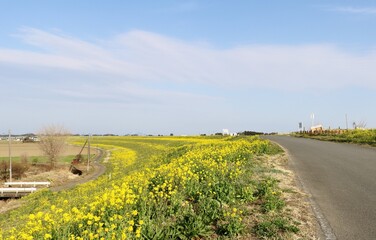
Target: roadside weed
{"x":275,"y":228}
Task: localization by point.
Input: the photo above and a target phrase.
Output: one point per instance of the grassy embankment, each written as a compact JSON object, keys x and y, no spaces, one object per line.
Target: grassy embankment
{"x":349,"y":136}
{"x":165,"y":188}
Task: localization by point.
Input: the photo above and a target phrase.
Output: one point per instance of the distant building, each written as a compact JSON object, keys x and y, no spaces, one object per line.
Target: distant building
{"x":317,"y":129}
{"x":226,"y":132}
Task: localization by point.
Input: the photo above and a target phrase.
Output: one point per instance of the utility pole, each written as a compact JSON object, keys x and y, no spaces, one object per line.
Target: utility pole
{"x":300,"y":126}
{"x":347,"y":125}
{"x":88,"y":153}
{"x":10,"y":156}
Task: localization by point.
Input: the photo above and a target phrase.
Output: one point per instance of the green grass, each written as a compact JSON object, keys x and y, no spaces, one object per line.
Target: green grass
{"x":275,"y":228}
{"x":40,"y":159}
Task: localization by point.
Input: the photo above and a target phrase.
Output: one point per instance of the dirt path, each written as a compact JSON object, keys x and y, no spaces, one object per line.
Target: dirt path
{"x":99,"y":169}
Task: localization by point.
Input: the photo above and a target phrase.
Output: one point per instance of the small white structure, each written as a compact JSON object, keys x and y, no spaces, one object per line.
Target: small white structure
{"x":226,"y":132}
{"x":27,"y":184}
{"x":15,"y":192}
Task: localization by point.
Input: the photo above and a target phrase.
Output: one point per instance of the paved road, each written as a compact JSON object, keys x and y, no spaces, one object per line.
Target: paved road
{"x":342,"y":181}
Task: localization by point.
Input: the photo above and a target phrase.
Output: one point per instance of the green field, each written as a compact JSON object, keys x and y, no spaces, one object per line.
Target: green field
{"x":39,"y":159}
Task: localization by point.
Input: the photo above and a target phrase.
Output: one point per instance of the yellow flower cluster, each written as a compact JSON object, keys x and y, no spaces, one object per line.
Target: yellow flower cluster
{"x":118,"y":207}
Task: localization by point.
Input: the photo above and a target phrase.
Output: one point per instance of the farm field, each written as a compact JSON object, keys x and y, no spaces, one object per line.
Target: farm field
{"x":29,"y":164}
{"x":32,"y":149}
{"x":172,"y":188}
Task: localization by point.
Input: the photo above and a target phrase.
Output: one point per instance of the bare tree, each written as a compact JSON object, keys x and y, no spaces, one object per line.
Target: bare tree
{"x":52,"y":142}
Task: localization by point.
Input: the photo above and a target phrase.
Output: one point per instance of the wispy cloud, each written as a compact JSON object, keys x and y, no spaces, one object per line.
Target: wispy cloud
{"x":29,"y":58}
{"x":274,"y":66}
{"x":139,"y":78}
{"x":357,"y":10}
{"x":139,"y":60}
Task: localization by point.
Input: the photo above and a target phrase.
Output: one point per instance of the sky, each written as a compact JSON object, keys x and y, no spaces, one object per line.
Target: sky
{"x":186,"y":67}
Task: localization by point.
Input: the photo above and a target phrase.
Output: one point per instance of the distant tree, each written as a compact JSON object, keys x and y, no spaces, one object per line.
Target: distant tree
{"x":52,"y":142}
{"x":250,"y":133}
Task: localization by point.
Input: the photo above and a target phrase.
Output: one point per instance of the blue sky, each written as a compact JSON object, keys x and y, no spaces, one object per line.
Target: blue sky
{"x":186,"y":67}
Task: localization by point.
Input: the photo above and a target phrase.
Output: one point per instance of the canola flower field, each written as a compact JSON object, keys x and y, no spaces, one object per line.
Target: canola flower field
{"x":163,"y":188}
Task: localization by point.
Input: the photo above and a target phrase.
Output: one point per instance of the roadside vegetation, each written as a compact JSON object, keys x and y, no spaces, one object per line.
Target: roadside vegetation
{"x":358,"y":136}
{"x":167,"y":188}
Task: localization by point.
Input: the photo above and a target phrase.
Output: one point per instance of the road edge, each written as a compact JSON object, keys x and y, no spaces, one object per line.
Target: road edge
{"x":326,"y":232}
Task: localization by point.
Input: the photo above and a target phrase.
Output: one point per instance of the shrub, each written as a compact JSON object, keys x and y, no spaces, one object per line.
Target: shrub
{"x":18,"y":170}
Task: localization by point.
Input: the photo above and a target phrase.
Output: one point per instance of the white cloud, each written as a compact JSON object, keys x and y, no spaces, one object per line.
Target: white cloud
{"x":28,"y":58}
{"x":62,"y":51}
{"x":144,"y":58}
{"x":274,"y":66}
{"x":358,"y":10}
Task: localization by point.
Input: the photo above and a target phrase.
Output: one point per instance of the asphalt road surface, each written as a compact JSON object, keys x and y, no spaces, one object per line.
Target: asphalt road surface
{"x":341,"y":179}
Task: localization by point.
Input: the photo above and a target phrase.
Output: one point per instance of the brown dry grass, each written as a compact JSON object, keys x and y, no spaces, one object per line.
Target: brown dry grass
{"x":59,"y":176}
{"x":297,"y":201}
{"x":7,"y":205}
{"x":32,"y":149}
